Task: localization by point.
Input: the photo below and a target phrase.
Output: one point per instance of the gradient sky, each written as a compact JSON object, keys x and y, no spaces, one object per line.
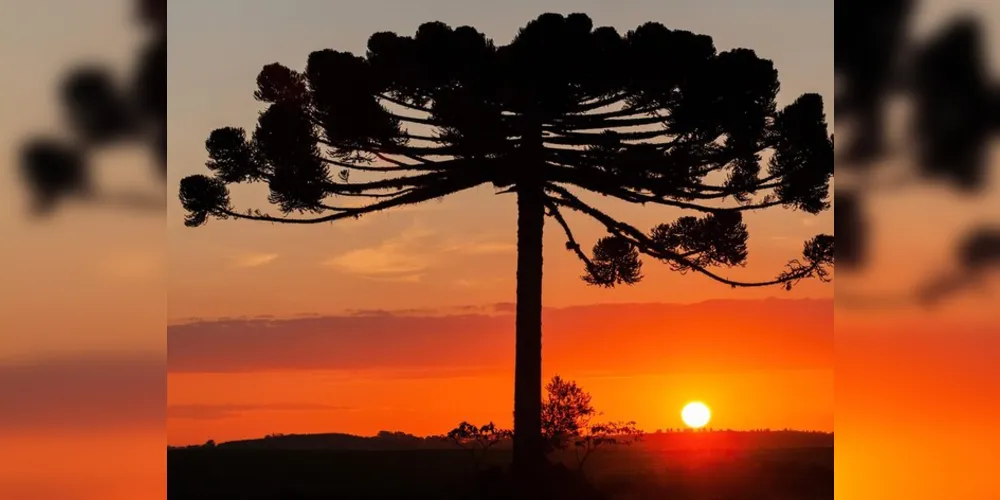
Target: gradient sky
{"x":456,"y":257}
{"x":458,"y":251}
{"x":82,"y":340}
{"x":104,"y":272}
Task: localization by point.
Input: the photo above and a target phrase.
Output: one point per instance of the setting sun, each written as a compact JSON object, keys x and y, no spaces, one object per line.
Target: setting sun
{"x":696,"y":415}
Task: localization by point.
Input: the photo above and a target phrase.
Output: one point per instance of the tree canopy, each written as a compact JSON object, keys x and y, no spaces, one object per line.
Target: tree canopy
{"x":653,"y":116}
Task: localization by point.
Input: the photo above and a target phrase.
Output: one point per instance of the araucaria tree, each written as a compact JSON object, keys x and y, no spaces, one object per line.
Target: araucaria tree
{"x":655,"y":116}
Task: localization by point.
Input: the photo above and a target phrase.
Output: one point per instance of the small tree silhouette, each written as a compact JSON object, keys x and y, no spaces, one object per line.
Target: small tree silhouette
{"x":655,"y":116}
{"x":567,"y":415}
{"x":478,"y":439}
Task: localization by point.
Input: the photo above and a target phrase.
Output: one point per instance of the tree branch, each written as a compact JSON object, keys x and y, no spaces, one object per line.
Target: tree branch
{"x":591,"y":122}
{"x":398,"y":166}
{"x":413,"y":119}
{"x":402,"y":103}
{"x":442,"y":188}
{"x":422,"y":180}
{"x":647,"y":246}
{"x":607,"y":184}
{"x":400,"y":150}
{"x":599,"y":138}
{"x":600,"y":102}
{"x":571,"y":243}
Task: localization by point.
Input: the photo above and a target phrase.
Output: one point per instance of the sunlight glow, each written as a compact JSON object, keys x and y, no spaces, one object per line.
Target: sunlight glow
{"x":696,"y":415}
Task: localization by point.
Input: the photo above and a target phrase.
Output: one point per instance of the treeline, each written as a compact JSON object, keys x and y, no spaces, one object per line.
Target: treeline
{"x":569,"y":422}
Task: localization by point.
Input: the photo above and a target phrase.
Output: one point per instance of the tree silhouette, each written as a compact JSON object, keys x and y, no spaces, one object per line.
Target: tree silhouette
{"x":655,"y":116}
{"x":567,"y":421}
{"x":566,"y":413}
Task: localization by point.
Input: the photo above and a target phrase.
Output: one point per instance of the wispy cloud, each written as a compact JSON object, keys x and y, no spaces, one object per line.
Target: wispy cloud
{"x":391,"y":260}
{"x":479,"y":247}
{"x":254,"y":260}
{"x":407,"y":256}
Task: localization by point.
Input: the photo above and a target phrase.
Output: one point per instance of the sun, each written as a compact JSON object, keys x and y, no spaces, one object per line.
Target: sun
{"x":696,"y":415}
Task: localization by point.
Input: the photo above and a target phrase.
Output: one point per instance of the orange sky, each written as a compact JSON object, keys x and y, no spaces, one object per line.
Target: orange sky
{"x":457,"y":253}
{"x":916,"y":412}
{"x":763,"y":363}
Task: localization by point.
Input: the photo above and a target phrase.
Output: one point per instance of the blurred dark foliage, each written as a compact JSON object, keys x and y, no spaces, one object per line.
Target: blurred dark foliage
{"x":100,"y":111}
{"x":955,"y":115}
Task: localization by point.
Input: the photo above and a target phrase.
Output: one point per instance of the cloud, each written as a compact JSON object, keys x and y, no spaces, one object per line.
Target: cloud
{"x":423,"y":311}
{"x":407,"y":256}
{"x":479,"y":247}
{"x":613,"y":338}
{"x":254,"y":260}
{"x":99,"y":390}
{"x":383,"y":261}
{"x":391,"y":260}
{"x":223,"y":411}
{"x":505,"y":307}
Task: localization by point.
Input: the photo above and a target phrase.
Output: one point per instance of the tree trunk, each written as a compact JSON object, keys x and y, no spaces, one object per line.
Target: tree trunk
{"x":529,"y":454}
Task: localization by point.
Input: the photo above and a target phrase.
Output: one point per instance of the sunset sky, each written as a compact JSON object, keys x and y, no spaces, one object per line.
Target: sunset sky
{"x":372,"y":359}
{"x":83,"y":294}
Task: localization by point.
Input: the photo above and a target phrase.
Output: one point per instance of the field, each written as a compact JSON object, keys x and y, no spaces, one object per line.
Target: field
{"x":644,"y":471}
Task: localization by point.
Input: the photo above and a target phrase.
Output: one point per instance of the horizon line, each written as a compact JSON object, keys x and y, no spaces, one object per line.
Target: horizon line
{"x":473,"y":310}
{"x":676,"y":430}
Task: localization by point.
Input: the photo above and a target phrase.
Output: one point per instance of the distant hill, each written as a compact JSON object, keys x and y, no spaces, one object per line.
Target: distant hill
{"x":384,"y":441}
{"x":395,"y":441}
{"x":738,"y":440}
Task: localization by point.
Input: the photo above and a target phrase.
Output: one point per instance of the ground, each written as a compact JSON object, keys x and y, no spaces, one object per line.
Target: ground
{"x":628,"y":473}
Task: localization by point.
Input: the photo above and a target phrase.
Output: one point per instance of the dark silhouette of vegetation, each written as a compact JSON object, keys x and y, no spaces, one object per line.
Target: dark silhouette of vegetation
{"x":483,"y":437}
{"x":567,"y":416}
{"x":566,"y":412}
{"x":945,"y":77}
{"x":654,"y":116}
{"x":478,"y":440}
{"x":606,"y":434}
{"x":99,"y":112}
{"x":682,"y":465}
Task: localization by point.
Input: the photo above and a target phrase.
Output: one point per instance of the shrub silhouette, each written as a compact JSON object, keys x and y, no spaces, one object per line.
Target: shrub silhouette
{"x":478,"y":440}
{"x":655,"y":116}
